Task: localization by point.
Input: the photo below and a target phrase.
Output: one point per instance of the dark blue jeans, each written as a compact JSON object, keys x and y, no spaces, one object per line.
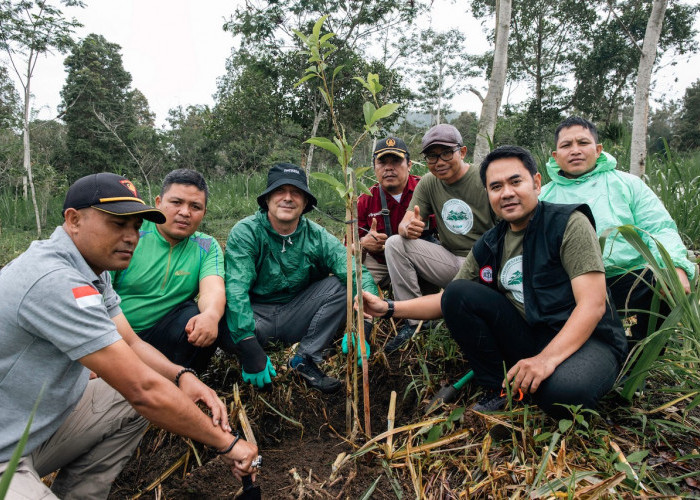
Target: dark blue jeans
{"x":170,"y":338}
{"x":490,"y":331}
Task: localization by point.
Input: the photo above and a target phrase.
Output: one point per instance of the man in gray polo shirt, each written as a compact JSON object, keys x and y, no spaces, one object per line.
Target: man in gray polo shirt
{"x":59,"y":320}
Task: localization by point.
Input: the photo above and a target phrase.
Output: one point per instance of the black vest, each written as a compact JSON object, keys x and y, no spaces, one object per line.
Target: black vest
{"x":548,"y":296}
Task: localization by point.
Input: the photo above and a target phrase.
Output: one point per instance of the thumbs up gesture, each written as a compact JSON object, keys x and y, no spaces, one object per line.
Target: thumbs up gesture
{"x":373,"y":241}
{"x":413,"y":224}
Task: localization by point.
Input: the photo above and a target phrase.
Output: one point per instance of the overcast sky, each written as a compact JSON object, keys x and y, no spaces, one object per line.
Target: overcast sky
{"x":176,"y":49}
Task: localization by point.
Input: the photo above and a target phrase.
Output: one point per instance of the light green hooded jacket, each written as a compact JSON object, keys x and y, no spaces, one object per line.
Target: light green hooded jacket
{"x":616,"y":199}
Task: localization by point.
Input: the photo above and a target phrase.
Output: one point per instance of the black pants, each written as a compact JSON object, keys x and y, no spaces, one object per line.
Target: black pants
{"x":633,"y":297}
{"x":170,"y":338}
{"x":491,"y":332}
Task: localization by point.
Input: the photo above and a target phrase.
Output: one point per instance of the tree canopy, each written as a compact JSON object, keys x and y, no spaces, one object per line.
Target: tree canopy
{"x":97,"y":96}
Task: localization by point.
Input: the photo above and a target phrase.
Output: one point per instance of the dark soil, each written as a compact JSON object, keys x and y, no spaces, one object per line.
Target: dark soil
{"x":297,"y":462}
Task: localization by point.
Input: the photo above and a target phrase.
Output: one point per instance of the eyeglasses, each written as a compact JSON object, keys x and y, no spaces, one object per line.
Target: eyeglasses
{"x":446,"y":155}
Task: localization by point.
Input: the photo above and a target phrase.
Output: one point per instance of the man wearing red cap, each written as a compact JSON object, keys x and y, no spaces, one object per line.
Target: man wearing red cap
{"x":380,"y":212}
{"x":59,"y":320}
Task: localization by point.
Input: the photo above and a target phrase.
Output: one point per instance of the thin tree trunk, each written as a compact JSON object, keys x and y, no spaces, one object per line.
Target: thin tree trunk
{"x":492,"y":101}
{"x":350,"y":376}
{"x":318,"y":116}
{"x":640,"y":117}
{"x":138,"y":162}
{"x":439,"y":103}
{"x":27,"y":149}
{"x":360,"y":321}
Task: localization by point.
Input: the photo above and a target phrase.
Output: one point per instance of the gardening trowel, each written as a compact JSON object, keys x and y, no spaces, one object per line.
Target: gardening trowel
{"x":448,"y":393}
{"x":250,"y":490}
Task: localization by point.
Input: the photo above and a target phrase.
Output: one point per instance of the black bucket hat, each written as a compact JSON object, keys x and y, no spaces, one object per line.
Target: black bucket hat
{"x":110,"y":193}
{"x":287,"y":173}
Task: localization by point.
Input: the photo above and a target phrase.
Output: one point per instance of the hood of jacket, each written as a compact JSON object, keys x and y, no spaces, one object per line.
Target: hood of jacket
{"x":605,"y":163}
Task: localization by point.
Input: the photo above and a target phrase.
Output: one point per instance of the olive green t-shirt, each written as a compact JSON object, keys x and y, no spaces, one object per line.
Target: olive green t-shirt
{"x":579,"y":253}
{"x":462,"y":209}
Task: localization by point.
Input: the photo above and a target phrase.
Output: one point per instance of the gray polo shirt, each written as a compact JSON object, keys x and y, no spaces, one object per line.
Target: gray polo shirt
{"x":53,"y":311}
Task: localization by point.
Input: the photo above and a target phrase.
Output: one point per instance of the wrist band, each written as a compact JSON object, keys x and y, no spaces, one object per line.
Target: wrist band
{"x":181,"y":373}
{"x":230,"y":447}
{"x":390,"y":310}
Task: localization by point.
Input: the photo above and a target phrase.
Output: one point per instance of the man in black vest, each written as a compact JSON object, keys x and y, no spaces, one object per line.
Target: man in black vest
{"x":531,"y":296}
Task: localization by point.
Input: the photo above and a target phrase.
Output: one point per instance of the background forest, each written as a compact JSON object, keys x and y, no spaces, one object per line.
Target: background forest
{"x":572,"y":57}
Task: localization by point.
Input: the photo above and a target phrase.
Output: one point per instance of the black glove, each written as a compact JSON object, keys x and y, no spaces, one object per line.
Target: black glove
{"x":251,"y":355}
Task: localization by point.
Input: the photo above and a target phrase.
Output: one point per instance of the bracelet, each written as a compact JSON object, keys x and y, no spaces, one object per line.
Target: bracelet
{"x":390,"y":310}
{"x":230,"y":447}
{"x":181,"y":373}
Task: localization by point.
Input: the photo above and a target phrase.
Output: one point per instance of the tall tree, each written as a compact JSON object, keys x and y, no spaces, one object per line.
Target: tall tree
{"x":188,"y":139}
{"x":98,"y":91}
{"x":266,"y":28}
{"x":29,"y":28}
{"x":251,"y":118}
{"x":10,"y":107}
{"x":689,"y":120}
{"x":438,"y":61}
{"x":545,"y":41}
{"x":497,"y":81}
{"x":605,"y":78}
{"x":640,"y":120}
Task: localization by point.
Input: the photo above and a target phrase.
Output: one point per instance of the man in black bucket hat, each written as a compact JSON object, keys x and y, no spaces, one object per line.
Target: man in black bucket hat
{"x":285,"y":282}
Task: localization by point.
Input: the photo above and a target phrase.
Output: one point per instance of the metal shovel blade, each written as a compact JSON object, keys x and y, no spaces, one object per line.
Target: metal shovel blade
{"x":250,"y":490}
{"x":449,"y":393}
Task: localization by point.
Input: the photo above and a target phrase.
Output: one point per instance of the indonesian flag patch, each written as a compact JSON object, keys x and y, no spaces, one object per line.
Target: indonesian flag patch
{"x":87,"y":296}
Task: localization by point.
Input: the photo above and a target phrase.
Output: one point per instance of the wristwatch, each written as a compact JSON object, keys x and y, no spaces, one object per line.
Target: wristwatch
{"x":390,"y":311}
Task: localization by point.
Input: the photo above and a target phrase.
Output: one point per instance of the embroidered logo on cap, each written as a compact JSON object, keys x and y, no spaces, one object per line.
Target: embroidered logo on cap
{"x":390,"y":142}
{"x":128,"y":185}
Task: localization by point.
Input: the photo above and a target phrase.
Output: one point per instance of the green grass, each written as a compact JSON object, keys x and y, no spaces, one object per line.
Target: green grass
{"x":537,"y":455}
{"x":676,"y":181}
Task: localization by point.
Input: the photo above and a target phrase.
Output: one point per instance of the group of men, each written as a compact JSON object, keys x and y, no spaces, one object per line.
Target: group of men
{"x":135,"y":311}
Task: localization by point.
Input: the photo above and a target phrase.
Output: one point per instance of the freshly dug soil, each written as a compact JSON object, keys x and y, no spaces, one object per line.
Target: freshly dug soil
{"x":297,"y":462}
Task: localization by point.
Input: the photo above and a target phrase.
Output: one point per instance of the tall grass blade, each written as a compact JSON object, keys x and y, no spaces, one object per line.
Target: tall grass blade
{"x":14,"y":460}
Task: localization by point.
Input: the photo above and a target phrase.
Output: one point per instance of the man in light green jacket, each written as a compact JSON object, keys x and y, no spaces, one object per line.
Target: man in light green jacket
{"x":582,"y":173}
{"x":285,"y":282}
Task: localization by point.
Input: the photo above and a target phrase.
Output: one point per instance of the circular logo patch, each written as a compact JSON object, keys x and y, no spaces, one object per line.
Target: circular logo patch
{"x":457,"y":216}
{"x":512,"y":277}
{"x":486,"y":274}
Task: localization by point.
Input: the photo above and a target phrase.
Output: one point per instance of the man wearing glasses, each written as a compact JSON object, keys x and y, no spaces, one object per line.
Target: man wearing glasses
{"x":453,"y":192}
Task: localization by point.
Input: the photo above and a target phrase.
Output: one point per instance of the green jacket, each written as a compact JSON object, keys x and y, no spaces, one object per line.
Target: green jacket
{"x":263,"y":266}
{"x":616,"y":199}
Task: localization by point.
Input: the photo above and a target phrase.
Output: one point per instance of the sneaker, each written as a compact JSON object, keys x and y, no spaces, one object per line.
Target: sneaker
{"x":315,"y":378}
{"x":490,"y":400}
{"x":403,"y":336}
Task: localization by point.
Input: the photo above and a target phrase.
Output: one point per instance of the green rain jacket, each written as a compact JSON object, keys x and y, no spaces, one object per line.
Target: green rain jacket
{"x":616,"y":199}
{"x":263,"y":266}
